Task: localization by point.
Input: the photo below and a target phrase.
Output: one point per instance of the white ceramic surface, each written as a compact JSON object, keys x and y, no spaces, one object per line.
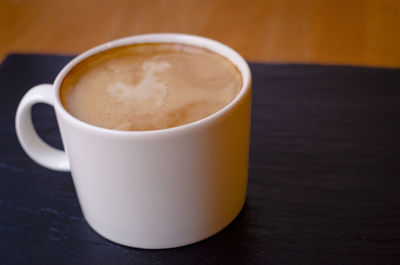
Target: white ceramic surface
{"x":150,"y":189}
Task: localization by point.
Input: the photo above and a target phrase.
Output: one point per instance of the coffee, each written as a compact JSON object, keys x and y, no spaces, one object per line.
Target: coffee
{"x":149,"y":86}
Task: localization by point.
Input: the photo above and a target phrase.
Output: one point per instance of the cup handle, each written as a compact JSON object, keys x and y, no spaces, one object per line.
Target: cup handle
{"x":42,"y":153}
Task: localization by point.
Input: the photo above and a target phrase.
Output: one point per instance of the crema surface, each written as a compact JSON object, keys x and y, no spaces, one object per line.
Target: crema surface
{"x":149,"y":86}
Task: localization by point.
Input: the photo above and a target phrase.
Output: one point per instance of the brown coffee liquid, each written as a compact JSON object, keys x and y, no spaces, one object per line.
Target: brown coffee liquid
{"x":149,"y":86}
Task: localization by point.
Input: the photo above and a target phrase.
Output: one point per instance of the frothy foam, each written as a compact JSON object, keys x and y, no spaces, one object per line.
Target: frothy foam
{"x":149,"y":86}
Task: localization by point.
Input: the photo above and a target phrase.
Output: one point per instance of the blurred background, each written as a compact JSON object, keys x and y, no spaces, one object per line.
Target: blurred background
{"x":356,"y":32}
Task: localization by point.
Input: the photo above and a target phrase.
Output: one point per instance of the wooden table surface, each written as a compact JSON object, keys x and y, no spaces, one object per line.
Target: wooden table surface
{"x":311,"y":31}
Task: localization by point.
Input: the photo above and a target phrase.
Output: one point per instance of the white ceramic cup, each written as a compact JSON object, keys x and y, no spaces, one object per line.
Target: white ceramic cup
{"x":150,"y":189}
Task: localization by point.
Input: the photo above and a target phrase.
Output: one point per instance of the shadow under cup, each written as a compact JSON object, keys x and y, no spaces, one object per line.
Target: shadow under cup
{"x":151,"y":189}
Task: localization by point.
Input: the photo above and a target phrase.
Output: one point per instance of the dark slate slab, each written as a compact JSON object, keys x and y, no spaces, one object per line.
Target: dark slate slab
{"x":324,"y":180}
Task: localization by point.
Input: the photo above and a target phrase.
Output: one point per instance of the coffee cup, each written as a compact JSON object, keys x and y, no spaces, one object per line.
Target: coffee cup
{"x":153,"y":189}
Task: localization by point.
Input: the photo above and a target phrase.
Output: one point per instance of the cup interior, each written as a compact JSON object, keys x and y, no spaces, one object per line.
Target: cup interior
{"x":201,"y":42}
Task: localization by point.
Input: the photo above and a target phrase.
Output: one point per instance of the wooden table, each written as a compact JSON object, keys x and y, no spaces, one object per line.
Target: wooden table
{"x":312,"y":31}
{"x":324,"y":160}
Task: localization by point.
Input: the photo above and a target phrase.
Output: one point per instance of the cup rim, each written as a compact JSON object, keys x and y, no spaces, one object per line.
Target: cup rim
{"x":179,"y":38}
